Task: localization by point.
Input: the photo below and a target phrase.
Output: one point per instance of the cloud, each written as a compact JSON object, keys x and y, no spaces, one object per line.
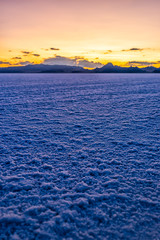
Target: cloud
{"x":52,"y":49}
{"x":142,"y":63}
{"x":24,"y":63}
{"x":133,"y":49}
{"x":26,"y":52}
{"x":59,"y":60}
{"x":136,"y":49}
{"x":75,"y":61}
{"x":3,"y":62}
{"x":16,"y":58}
{"x":36,"y":55}
{"x":17,"y":64}
{"x":89,"y":64}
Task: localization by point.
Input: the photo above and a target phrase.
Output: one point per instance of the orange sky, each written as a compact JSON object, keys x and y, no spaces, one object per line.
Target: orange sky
{"x":124,"y":32}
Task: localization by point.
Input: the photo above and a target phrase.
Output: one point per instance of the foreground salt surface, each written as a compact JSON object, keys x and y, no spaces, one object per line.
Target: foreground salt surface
{"x":79,"y":156}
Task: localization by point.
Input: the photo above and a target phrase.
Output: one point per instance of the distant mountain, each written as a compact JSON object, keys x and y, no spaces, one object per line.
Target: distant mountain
{"x":157,"y":70}
{"x":149,"y":69}
{"x":108,"y":68}
{"x":42,"y":68}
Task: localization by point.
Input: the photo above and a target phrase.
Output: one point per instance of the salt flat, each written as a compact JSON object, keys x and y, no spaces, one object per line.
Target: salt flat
{"x":79,"y":156}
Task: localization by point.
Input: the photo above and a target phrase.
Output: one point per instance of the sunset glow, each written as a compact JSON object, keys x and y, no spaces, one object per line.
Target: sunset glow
{"x":124,"y":32}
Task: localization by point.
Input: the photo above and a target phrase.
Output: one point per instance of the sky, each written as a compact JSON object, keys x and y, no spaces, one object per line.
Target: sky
{"x":87,"y":33}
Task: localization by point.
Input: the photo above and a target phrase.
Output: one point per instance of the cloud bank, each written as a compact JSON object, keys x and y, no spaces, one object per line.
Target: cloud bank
{"x":142,"y":63}
{"x":3,"y":62}
{"x":24,"y":63}
{"x":75,"y":61}
{"x":16,"y":58}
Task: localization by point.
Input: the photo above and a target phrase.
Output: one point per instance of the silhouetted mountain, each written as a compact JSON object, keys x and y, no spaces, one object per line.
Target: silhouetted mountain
{"x":42,"y":68}
{"x":135,"y":70}
{"x":157,"y":70}
{"x":108,"y":68}
{"x":149,"y":69}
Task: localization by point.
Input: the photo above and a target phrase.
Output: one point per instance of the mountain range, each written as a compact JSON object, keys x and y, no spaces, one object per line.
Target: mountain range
{"x":108,"y":68}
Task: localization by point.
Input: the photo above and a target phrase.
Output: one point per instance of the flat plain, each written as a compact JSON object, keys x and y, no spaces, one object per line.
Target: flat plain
{"x":79,"y":156}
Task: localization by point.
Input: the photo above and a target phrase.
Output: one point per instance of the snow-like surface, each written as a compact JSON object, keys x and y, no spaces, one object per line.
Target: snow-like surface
{"x":79,"y":156}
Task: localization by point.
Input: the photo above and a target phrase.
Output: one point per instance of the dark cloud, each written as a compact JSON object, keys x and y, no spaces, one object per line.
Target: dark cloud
{"x":3,"y":62}
{"x":78,"y":57}
{"x":26,"y":52}
{"x":75,"y":61}
{"x":16,"y":58}
{"x":16,"y":64}
{"x":136,"y":49}
{"x":141,"y":63}
{"x":133,"y":49}
{"x":36,"y":55}
{"x":52,"y":49}
{"x":24,"y":63}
